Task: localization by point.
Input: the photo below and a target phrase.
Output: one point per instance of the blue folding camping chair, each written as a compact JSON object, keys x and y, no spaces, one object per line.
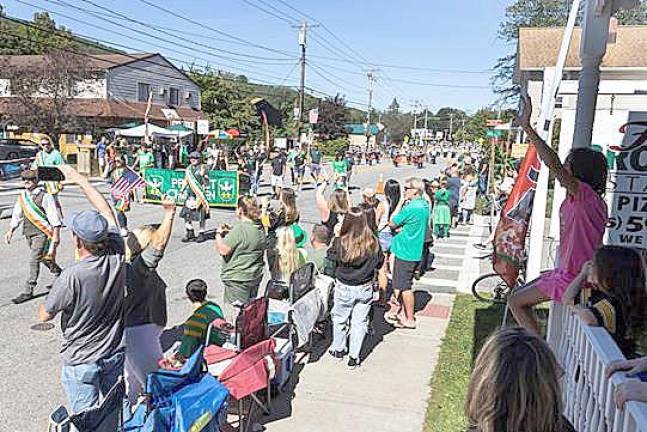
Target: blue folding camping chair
{"x":181,"y":401}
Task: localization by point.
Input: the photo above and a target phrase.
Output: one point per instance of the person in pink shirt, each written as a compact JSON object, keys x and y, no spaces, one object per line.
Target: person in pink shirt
{"x":583,"y":216}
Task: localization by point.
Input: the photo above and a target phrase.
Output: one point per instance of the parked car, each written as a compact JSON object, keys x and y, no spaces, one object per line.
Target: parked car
{"x":13,"y":148}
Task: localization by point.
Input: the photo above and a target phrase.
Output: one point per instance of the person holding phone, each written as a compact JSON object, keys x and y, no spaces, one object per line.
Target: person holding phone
{"x":48,"y":156}
{"x":36,"y":210}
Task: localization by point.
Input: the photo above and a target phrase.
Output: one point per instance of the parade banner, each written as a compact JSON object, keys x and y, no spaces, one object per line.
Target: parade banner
{"x":510,"y":234}
{"x":223,"y":189}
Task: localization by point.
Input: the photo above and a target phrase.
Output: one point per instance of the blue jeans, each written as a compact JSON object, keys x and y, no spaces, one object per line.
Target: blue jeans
{"x":352,"y":305}
{"x":84,"y":383}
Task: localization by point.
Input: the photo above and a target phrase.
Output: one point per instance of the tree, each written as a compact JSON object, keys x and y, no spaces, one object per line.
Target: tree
{"x":226,"y":99}
{"x":538,"y":13}
{"x":42,"y":93}
{"x":394,"y":107}
{"x":332,"y":118}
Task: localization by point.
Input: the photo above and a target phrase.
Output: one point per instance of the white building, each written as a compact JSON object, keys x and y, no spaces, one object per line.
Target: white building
{"x":622,"y":98}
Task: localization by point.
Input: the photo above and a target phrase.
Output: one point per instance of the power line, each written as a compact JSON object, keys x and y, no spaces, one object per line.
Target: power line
{"x":130,"y":66}
{"x":269,"y":12}
{"x":96,"y":57}
{"x":133,"y":38}
{"x":123,"y":17}
{"x":220,"y":32}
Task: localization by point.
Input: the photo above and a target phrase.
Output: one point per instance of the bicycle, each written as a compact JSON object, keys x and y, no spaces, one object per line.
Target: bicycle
{"x":494,"y":286}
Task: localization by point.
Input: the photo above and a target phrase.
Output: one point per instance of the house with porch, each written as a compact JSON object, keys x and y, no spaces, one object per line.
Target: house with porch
{"x":583,"y":351}
{"x":116,"y":93}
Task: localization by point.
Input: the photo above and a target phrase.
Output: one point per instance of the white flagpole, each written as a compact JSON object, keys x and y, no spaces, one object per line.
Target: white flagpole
{"x":544,"y":129}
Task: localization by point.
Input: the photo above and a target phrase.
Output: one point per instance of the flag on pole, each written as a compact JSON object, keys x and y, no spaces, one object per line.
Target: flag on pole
{"x":128,"y":181}
{"x":510,"y":234}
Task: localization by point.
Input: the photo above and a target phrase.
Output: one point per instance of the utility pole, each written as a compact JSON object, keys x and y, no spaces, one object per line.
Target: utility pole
{"x":451,"y":126}
{"x":303,"y":32}
{"x":371,"y":77}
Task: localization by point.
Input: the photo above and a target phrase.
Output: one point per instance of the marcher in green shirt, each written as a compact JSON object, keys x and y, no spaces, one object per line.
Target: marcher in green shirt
{"x":340,"y":169}
{"x":242,"y":249}
{"x":411,"y":220}
{"x":145,"y":158}
{"x":196,"y":327}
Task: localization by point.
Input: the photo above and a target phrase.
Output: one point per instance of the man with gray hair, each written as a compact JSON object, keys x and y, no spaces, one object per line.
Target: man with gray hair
{"x":89,"y":294}
{"x":410,"y":219}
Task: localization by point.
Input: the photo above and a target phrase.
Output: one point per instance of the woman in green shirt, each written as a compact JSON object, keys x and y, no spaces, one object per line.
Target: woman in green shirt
{"x":442,"y":216}
{"x":242,"y":249}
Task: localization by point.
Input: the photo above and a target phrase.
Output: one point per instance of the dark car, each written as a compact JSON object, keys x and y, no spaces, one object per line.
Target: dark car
{"x":14,"y":148}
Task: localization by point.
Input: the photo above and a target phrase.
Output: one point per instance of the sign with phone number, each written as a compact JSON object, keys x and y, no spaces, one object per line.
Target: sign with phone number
{"x":627,"y":185}
{"x":223,"y":189}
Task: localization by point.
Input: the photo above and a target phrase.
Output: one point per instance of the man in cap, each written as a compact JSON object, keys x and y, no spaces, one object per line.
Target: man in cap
{"x":48,"y":156}
{"x":37,"y":211}
{"x":89,"y":294}
{"x":196,"y":206}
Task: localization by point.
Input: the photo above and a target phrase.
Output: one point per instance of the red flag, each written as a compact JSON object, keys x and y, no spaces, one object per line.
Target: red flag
{"x":510,"y":234}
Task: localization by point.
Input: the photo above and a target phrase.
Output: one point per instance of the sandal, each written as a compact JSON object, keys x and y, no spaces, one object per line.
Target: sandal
{"x":405,"y":325}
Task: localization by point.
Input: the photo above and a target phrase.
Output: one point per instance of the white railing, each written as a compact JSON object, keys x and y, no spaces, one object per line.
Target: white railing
{"x":584,"y":353}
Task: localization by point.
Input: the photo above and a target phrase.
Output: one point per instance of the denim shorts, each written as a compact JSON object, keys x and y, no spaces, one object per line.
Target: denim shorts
{"x":385,"y":238}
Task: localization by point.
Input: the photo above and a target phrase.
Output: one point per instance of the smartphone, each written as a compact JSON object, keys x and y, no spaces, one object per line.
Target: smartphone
{"x":50,"y":174}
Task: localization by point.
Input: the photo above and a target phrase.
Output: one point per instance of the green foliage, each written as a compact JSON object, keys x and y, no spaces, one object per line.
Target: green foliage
{"x":470,"y":324}
{"x":333,"y":147}
{"x":226,"y":99}
{"x":41,"y":36}
{"x":539,"y":13}
{"x":333,"y":117}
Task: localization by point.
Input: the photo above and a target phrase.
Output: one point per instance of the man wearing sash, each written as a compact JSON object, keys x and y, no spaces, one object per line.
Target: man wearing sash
{"x":196,"y":206}
{"x":37,"y":211}
{"x":48,"y":156}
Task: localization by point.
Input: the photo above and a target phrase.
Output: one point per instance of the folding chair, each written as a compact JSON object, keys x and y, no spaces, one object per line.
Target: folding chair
{"x":246,"y":369}
{"x":247,"y":374}
{"x":107,"y":417}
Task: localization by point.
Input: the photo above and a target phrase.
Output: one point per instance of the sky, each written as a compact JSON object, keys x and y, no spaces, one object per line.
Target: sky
{"x":425,"y":53}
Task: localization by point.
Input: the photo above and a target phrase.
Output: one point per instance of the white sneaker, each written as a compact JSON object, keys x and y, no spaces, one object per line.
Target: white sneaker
{"x":123,"y":232}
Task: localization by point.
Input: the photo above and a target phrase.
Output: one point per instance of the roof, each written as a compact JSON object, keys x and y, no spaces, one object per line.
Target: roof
{"x":538,"y":48}
{"x":360,"y":129}
{"x":113,"y":109}
{"x":96,"y":62}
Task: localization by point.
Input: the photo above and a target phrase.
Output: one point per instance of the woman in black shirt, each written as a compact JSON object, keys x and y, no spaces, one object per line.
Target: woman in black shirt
{"x":357,"y":256}
{"x":333,"y":209}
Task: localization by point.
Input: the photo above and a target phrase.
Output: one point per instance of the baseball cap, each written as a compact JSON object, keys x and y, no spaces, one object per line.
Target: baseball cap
{"x":194,"y":155}
{"x":88,"y":225}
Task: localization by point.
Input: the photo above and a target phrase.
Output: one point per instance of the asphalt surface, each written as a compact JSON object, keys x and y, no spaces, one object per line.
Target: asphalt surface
{"x":30,"y":364}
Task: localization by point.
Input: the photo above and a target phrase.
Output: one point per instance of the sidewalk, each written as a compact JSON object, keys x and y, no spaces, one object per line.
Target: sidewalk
{"x":389,"y":392}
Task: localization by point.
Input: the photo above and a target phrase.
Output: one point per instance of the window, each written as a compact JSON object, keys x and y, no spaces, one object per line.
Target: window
{"x":174,"y":96}
{"x":143,"y":90}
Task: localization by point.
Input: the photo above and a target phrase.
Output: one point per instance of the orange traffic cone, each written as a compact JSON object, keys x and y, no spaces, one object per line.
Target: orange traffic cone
{"x":379,"y":187}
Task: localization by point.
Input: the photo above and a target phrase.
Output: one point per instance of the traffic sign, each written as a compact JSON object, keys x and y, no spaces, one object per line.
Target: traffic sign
{"x":494,"y":133}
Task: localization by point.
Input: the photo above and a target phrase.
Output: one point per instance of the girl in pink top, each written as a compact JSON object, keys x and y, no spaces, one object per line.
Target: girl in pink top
{"x":583,"y":216}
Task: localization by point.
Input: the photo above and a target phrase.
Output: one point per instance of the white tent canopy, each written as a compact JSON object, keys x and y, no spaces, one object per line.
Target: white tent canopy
{"x":140,"y":131}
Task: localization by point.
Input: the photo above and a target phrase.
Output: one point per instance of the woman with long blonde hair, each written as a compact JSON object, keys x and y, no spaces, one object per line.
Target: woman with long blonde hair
{"x":288,"y":257}
{"x":515,"y":386}
{"x":357,"y":256}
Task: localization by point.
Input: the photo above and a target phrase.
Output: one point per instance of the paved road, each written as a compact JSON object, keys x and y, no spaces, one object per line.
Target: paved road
{"x":30,"y":365}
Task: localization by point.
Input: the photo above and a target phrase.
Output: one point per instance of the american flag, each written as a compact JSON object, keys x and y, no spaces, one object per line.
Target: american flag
{"x":128,"y":181}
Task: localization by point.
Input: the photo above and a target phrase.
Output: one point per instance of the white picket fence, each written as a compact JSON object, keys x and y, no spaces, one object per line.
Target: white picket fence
{"x":584,"y":353}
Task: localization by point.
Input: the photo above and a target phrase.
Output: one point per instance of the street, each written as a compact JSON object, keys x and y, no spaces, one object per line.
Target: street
{"x":31,"y":364}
